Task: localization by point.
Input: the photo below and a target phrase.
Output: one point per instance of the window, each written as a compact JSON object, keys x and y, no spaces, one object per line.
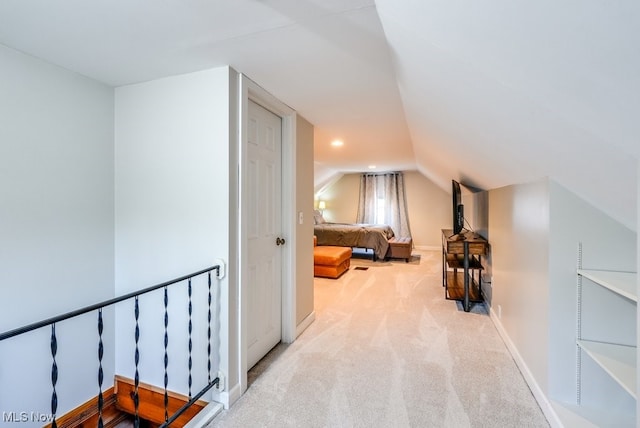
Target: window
{"x":382,"y":201}
{"x":380,"y":205}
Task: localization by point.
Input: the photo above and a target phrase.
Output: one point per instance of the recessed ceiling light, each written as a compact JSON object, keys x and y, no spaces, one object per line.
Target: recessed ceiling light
{"x":372,"y":167}
{"x":337,"y":143}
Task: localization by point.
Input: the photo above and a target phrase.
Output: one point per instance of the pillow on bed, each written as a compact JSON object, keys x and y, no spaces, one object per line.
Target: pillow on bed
{"x":318,"y":218}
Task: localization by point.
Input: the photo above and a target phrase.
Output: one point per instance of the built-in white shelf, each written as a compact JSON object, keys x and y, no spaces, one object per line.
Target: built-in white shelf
{"x":623,"y":283}
{"x":575,"y":416}
{"x":619,"y":361}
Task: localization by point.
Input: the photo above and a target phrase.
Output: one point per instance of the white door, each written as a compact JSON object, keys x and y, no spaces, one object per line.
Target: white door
{"x":264,"y":287}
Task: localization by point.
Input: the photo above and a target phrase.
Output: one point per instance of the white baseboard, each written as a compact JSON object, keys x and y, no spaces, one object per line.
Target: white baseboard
{"x":538,"y":393}
{"x":227,"y":398}
{"x":205,"y":416}
{"x":305,"y":323}
{"x":234,"y":395}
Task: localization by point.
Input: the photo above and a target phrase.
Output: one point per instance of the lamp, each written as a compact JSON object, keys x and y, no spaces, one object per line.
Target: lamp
{"x":321,"y":206}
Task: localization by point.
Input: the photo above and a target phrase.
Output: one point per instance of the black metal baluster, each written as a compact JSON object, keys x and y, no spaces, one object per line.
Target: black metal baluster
{"x":166,"y":356}
{"x":190,"y":342}
{"x":135,"y":394}
{"x":209,"y":333}
{"x":100,"y":371}
{"x":54,"y":375}
{"x":136,"y":398}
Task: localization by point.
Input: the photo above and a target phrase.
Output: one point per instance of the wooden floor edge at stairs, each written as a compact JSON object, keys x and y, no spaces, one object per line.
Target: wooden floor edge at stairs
{"x":151,"y":398}
{"x":118,"y":407}
{"x":86,"y":415}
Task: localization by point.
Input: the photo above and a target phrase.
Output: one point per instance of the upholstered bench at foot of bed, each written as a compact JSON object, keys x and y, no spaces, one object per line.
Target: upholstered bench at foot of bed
{"x":400,"y":248}
{"x":331,"y":262}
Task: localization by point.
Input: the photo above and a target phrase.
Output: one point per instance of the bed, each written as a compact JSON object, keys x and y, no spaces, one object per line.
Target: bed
{"x":370,"y":236}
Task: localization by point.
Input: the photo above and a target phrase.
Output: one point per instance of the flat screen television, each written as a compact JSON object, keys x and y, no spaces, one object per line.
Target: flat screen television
{"x":458,"y":208}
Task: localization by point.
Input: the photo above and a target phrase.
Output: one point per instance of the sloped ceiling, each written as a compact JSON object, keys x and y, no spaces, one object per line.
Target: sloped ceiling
{"x":501,"y":92}
{"x":490,"y":93}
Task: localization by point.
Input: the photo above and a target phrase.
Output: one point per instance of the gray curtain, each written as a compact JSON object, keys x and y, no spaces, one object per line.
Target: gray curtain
{"x":388,"y":190}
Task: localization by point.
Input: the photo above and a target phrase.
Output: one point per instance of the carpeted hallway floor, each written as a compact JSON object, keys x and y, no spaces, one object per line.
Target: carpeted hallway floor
{"x":388,"y":350}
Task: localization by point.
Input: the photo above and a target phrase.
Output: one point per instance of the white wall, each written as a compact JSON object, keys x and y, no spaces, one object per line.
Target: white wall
{"x":476,"y":210}
{"x":341,"y":199}
{"x":175,"y":213}
{"x":429,"y":210}
{"x":56,"y":228}
{"x":519,"y":290}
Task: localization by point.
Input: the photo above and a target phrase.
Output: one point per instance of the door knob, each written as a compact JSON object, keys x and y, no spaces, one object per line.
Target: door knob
{"x":280,"y":241}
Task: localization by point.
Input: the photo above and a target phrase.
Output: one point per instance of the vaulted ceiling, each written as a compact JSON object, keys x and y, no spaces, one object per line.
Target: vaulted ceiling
{"x":490,"y":93}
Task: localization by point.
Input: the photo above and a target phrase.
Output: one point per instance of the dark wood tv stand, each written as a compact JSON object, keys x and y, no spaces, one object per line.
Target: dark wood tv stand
{"x":461,"y":262}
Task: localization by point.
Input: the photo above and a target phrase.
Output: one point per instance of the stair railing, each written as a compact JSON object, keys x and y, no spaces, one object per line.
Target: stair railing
{"x":98,"y":307}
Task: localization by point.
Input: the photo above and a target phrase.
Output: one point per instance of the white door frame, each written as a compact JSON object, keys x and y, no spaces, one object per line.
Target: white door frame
{"x":249,"y":90}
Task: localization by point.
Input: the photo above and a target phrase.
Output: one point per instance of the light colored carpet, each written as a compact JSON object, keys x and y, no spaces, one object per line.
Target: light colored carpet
{"x":388,"y":350}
